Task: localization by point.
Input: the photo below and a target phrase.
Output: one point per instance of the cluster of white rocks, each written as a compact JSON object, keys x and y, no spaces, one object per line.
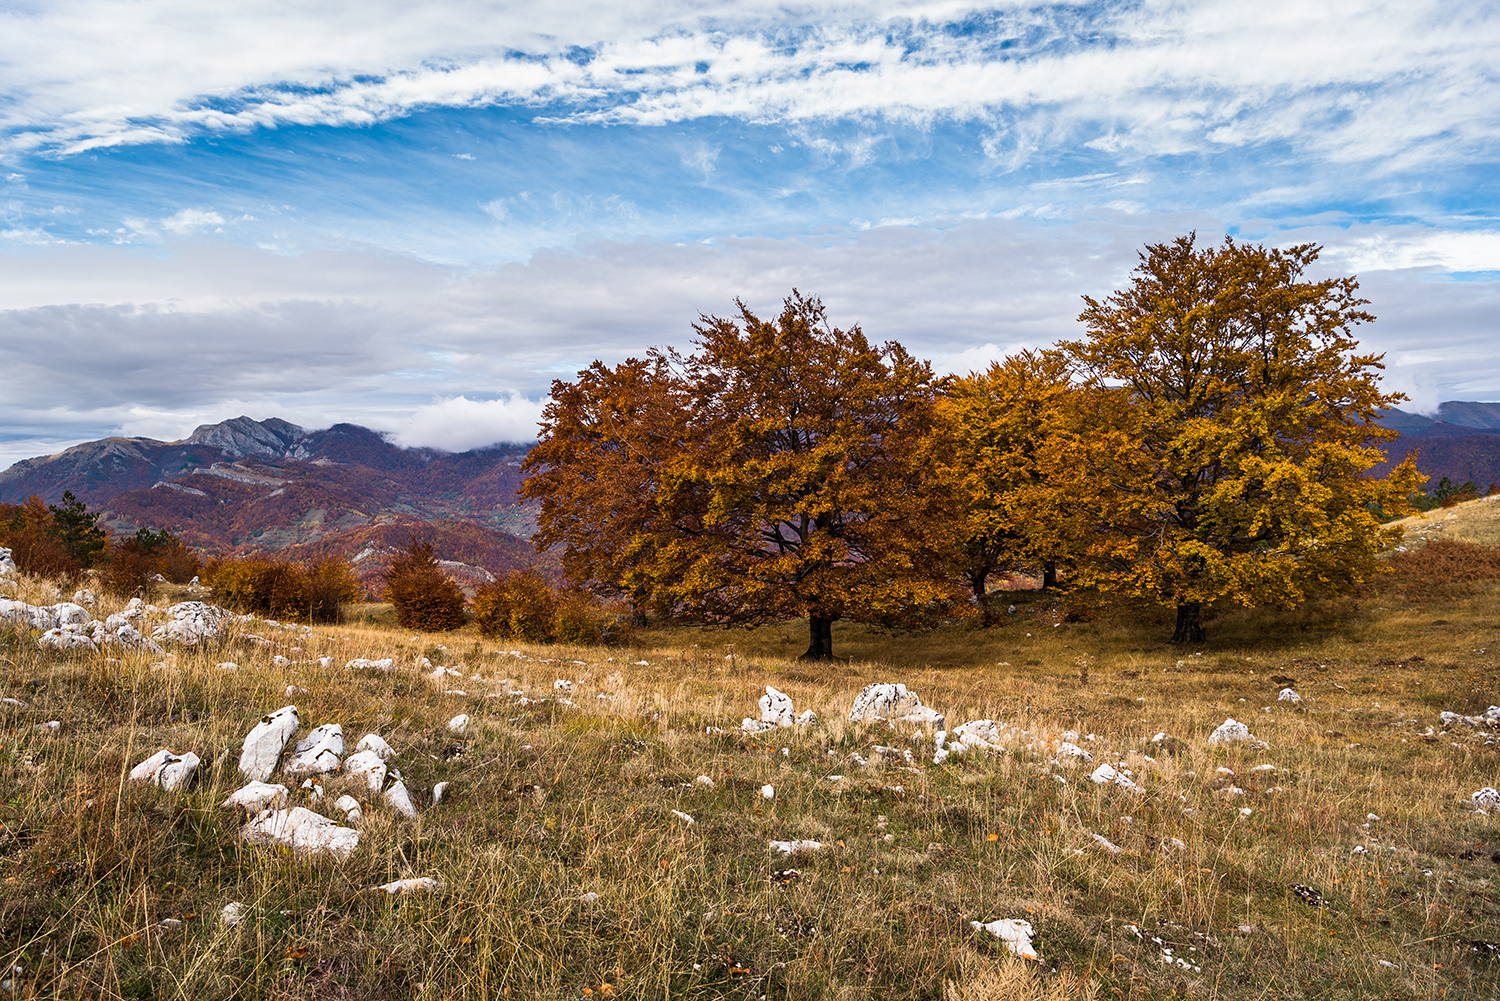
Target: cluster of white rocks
{"x":68,"y":625}
{"x":777,"y":711}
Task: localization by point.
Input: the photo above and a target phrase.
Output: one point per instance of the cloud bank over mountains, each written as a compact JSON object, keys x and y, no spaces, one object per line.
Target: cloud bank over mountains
{"x":416,"y":217}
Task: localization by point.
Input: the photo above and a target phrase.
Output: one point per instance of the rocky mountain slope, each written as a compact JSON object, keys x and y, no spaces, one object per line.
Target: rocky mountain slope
{"x":268,"y":485}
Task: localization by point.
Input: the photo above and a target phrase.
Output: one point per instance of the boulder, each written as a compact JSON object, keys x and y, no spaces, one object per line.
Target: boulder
{"x":1486,"y":799}
{"x":70,"y":637}
{"x":265,"y":742}
{"x":349,"y":807}
{"x":303,"y":832}
{"x":360,"y":663}
{"x":317,"y":753}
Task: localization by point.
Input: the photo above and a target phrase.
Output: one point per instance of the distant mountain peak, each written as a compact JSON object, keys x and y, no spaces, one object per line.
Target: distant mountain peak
{"x":242,"y":436}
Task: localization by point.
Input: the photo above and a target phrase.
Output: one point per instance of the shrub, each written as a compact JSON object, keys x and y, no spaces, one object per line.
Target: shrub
{"x":521,"y":605}
{"x":131,"y":563}
{"x":423,"y":596}
{"x":282,"y":589}
{"x":30,"y":532}
{"x":1444,"y":568}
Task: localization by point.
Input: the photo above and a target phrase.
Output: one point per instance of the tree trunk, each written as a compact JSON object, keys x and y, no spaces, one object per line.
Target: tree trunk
{"x":820,"y":639}
{"x":1049,"y":575}
{"x":978,"y":581}
{"x":1189,"y":628}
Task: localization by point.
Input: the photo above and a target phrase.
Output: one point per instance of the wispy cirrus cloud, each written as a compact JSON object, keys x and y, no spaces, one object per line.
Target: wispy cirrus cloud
{"x":1349,"y":82}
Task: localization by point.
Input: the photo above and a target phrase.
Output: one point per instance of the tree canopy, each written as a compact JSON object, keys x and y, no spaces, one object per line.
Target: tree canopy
{"x":1246,"y":429}
{"x":779,"y":466}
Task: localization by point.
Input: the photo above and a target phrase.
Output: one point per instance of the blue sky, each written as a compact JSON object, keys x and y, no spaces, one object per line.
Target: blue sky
{"x":416,"y":217}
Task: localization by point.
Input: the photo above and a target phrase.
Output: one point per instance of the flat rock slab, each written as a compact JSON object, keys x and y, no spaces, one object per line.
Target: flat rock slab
{"x":319,"y":752}
{"x":303,"y":832}
{"x":257,"y":796}
{"x":265,"y":742}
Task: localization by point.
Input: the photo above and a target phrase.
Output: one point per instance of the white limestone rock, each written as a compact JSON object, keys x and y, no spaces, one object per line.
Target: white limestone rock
{"x":167,"y":769}
{"x":68,"y":613}
{"x":317,"y":753}
{"x":265,"y":742}
{"x":303,"y":832}
{"x":1108,"y":775}
{"x":194,"y":622}
{"x":349,"y":807}
{"x":233,"y":913}
{"x":1014,"y":932}
{"x":437,"y":792}
{"x":26,"y":616}
{"x":255,"y":797}
{"x":374,"y":742}
{"x":776,"y":708}
{"x":1073,"y":754}
{"x":459,"y":725}
{"x":66,"y":638}
{"x":421,"y":884}
{"x":366,"y":765}
{"x":1232,"y":731}
{"x":398,"y":798}
{"x":8,"y":566}
{"x":796,"y":847}
{"x":1486,"y":799}
{"x":1289,"y":695}
{"x":887,"y":701}
{"x":361,"y":664}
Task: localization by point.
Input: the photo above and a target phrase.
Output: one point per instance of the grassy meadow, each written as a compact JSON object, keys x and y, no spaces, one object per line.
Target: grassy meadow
{"x":569,"y":873}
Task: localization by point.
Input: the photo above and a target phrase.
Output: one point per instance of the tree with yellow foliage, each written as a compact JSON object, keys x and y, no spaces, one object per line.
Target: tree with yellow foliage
{"x":1234,"y":468}
{"x":993,"y":447}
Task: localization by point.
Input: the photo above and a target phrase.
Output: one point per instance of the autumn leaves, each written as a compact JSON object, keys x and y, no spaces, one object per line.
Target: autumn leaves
{"x":1204,"y":441}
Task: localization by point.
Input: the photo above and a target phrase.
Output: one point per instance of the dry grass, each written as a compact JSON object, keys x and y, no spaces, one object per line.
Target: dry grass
{"x":1476,"y":521}
{"x":550,"y":803}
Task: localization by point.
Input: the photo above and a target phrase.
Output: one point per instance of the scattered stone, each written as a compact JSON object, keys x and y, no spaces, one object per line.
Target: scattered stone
{"x":1486,"y":799}
{"x":292,"y":691}
{"x":373,"y":742}
{"x":437,"y":792}
{"x":563,"y":685}
{"x":167,"y":769}
{"x":1107,"y":774}
{"x":265,"y":742}
{"x":683,"y":817}
{"x":421,"y":884}
{"x":705,"y":781}
{"x":349,"y":807}
{"x":313,"y":790}
{"x":796,"y":847}
{"x":1288,"y":695}
{"x":255,"y":797}
{"x":398,"y":798}
{"x":1072,"y":753}
{"x":1014,"y":932}
{"x":1175,"y":844}
{"x":1106,"y":844}
{"x":360,"y":663}
{"x":768,"y":791}
{"x":1489,"y":718}
{"x":303,"y":832}
{"x":366,"y":765}
{"x":317,"y":753}
{"x":50,"y":728}
{"x":459,"y":724}
{"x":233,"y":913}
{"x":1232,"y":731}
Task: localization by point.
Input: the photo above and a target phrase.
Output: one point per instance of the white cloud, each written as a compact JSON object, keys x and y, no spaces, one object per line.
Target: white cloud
{"x":1402,"y":85}
{"x":458,"y":424}
{"x":190,"y":220}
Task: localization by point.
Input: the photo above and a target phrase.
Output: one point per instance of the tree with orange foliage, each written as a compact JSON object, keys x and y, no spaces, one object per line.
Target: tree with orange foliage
{"x":779,"y":474}
{"x":1235,"y":467}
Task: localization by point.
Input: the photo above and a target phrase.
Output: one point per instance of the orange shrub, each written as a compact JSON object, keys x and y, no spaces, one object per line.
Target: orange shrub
{"x":424,"y":597}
